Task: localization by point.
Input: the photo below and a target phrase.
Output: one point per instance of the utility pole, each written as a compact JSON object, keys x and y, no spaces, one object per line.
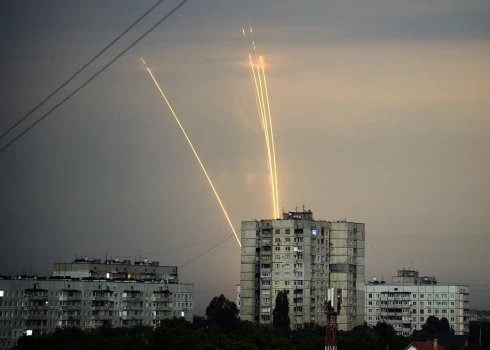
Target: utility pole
{"x":480,"y":335}
{"x":330,"y":327}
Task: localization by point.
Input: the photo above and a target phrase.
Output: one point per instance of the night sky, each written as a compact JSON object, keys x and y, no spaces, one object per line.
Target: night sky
{"x":381,"y":115}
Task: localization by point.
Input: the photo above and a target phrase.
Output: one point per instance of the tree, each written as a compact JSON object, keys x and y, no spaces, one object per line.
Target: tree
{"x":281,"y":314}
{"x":222,"y":312}
{"x":434,"y":325}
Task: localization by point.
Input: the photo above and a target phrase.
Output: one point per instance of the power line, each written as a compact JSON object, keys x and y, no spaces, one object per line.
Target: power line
{"x":80,"y":70}
{"x":93,"y":76}
{"x":177,"y":248}
{"x":377,"y":254}
{"x":207,"y":251}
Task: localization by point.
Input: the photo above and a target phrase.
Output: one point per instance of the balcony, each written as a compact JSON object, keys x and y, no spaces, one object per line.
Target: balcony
{"x":71,"y":307}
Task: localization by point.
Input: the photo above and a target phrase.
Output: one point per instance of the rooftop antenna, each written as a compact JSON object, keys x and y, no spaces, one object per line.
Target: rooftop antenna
{"x":303,"y":207}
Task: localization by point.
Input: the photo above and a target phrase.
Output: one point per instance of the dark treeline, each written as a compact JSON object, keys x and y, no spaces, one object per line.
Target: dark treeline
{"x":222,"y":329}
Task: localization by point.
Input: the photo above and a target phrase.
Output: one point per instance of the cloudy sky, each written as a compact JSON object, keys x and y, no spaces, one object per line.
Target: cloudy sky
{"x":381,"y":115}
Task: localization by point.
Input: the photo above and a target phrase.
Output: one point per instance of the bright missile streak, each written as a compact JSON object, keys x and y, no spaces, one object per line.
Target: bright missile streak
{"x":257,"y":97}
{"x":253,"y":43}
{"x":142,"y":60}
{"x":262,"y":120}
{"x":272,"y":133}
{"x":268,"y":143}
{"x":195,"y":153}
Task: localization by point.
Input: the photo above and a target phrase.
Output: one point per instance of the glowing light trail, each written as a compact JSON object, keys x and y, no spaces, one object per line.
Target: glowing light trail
{"x":261,"y":99}
{"x":268,"y":143}
{"x":195,"y":153}
{"x":272,"y":133}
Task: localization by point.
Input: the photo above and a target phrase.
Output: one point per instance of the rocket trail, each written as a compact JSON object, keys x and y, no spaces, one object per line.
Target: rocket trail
{"x":256,"y":90}
{"x":260,"y":110}
{"x":262,"y":98}
{"x":272,"y":133}
{"x":195,"y":153}
{"x":268,"y":143}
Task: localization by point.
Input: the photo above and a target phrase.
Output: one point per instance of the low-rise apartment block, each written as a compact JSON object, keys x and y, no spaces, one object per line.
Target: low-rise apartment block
{"x":409,"y":300}
{"x":37,"y":305}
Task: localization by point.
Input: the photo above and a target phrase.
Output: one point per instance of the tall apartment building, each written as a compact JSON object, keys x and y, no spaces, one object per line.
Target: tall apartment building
{"x":37,"y":305}
{"x":410,"y":299}
{"x":305,"y":257}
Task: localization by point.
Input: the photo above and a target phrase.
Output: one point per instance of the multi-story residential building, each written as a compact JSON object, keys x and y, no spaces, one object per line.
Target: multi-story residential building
{"x":305,"y":257}
{"x":116,"y":269}
{"x":409,"y":300}
{"x":36,"y":305}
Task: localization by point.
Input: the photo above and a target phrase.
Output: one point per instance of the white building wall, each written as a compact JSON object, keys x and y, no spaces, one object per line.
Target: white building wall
{"x":415,"y":303}
{"x":41,"y":305}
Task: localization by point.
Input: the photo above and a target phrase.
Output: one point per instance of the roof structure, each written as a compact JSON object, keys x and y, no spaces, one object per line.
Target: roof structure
{"x":423,"y":345}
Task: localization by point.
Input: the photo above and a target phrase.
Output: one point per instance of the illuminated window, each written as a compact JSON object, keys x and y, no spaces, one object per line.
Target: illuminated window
{"x":1,"y":293}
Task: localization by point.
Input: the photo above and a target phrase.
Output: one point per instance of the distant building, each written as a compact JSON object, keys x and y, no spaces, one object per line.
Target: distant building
{"x":305,"y":257}
{"x":409,"y":300}
{"x":116,"y":269}
{"x":91,"y":296}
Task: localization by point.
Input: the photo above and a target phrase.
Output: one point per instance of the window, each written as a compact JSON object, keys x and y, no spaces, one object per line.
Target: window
{"x":444,"y":296}
{"x":286,"y":266}
{"x":286,"y":274}
{"x":276,"y":283}
{"x":288,"y":231}
{"x":276,"y":266}
{"x":414,"y":303}
{"x":422,"y":319}
{"x":370,"y":295}
{"x":287,"y":256}
{"x":421,"y":303}
{"x":266,"y":300}
{"x":287,"y":283}
{"x":277,"y":249}
{"x":288,"y":240}
{"x":277,"y":257}
{"x":421,"y":296}
{"x":370,"y":303}
{"x":414,"y":296}
{"x":288,"y":249}
{"x":277,"y":274}
{"x":278,"y":232}
{"x":429,"y":296}
{"x":437,"y":296}
{"x":369,"y":310}
{"x":452,"y":311}
{"x":421,"y":311}
{"x":277,"y":240}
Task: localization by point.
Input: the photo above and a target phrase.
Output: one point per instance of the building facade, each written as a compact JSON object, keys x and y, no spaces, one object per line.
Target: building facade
{"x":305,"y":257}
{"x":409,"y":300}
{"x":37,"y":305}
